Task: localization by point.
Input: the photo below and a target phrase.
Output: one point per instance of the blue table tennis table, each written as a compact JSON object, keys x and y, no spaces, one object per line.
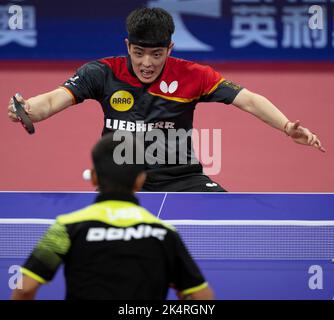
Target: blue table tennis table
{"x":248,"y":245}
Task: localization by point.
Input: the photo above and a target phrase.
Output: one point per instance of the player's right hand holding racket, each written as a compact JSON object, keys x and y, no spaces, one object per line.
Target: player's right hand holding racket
{"x":18,"y":111}
{"x":11,"y":113}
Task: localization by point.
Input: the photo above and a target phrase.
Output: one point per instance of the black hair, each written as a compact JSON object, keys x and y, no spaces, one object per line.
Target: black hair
{"x":150,"y":27}
{"x":112,"y":175}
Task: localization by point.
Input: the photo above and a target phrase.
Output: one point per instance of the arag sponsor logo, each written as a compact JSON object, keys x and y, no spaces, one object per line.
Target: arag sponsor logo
{"x":122,"y":101}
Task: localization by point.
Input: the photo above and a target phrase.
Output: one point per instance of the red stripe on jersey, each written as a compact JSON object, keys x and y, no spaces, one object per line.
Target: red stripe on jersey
{"x":119,"y":67}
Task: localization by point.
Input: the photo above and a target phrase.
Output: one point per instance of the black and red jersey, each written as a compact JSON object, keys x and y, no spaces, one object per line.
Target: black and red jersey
{"x":167,"y":103}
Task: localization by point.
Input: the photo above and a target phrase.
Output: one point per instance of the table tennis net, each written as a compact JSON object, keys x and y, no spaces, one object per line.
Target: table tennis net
{"x":207,"y":239}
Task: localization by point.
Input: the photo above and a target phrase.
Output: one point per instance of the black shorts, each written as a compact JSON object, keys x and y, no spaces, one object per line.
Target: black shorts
{"x":180,"y":179}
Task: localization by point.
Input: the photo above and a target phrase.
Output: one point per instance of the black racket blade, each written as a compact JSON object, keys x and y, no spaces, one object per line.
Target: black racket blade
{"x":23,"y":117}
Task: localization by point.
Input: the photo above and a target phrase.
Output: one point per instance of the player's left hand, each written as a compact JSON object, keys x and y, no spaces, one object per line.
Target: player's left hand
{"x":303,"y":135}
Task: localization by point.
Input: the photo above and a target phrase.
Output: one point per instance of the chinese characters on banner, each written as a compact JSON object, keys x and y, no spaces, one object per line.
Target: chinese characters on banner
{"x":205,"y":29}
{"x":285,"y":26}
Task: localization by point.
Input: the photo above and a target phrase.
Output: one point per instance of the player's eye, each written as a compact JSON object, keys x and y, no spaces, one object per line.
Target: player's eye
{"x":138,"y":53}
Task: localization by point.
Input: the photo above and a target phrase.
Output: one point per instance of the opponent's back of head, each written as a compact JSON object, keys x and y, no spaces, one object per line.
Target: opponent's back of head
{"x":150,"y":27}
{"x":114,"y":159}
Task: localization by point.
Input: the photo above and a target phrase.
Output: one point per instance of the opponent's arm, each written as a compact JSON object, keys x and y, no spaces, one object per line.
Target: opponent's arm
{"x":203,"y":294}
{"x":43,"y":106}
{"x":263,"y":109}
{"x":27,"y":291}
{"x":44,"y":261}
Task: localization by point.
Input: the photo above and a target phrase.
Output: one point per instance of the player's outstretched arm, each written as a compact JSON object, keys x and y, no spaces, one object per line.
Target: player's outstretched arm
{"x":263,"y":109}
{"x":42,"y":106}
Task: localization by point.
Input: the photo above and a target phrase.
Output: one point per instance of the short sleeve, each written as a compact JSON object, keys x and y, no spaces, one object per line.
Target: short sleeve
{"x":48,"y":254}
{"x":187,"y":277}
{"x":88,"y":82}
{"x":218,"y":89}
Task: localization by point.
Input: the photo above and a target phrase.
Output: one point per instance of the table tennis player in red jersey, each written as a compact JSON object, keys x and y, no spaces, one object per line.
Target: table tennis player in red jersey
{"x":149,"y":91}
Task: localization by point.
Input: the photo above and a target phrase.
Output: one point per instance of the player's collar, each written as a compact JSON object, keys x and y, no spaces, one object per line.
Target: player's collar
{"x":117,"y":196}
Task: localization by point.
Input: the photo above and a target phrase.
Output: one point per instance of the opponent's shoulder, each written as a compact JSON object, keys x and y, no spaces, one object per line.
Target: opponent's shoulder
{"x":150,"y":218}
{"x":112,"y":212}
{"x":84,"y":214}
{"x":99,"y":211}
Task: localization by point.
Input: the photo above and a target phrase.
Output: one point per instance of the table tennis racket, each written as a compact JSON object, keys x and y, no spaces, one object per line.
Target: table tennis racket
{"x":23,"y":116}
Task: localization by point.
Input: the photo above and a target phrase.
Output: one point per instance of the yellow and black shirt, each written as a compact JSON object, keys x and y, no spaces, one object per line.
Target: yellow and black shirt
{"x":114,"y":249}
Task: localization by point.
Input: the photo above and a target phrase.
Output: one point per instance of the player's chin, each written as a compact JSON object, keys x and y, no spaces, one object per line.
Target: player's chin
{"x":148,"y":80}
